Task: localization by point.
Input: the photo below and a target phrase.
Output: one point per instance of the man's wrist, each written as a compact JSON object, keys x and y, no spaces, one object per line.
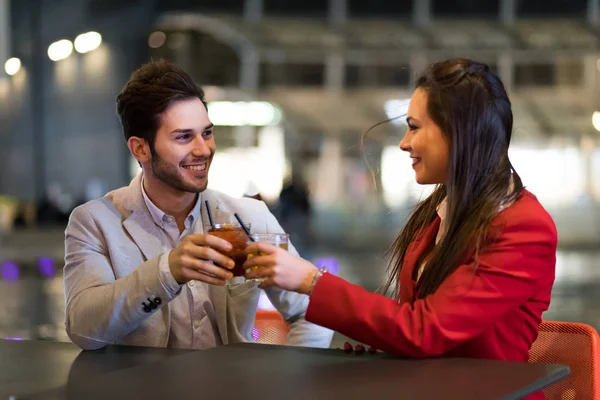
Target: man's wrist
{"x":166,"y":277}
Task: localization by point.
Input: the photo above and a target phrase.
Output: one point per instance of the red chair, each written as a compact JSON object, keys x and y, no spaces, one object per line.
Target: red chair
{"x":575,"y":345}
{"x":270,"y":328}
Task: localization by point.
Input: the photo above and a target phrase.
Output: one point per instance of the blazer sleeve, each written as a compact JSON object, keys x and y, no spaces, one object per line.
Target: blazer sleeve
{"x":292,"y":306}
{"x":519,"y":263}
{"x":100,"y":309}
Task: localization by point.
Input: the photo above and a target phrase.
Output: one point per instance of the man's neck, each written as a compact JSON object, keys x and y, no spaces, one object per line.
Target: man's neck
{"x":173,"y":202}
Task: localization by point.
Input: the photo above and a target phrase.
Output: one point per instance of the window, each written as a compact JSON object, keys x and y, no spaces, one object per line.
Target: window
{"x":224,"y":66}
{"x":377,"y":76}
{"x":288,"y":74}
{"x":190,"y":50}
{"x":225,"y":136}
{"x":297,"y":7}
{"x":378,"y":8}
{"x":465,"y":8}
{"x":555,"y":8}
{"x":99,"y":8}
{"x":535,"y":75}
{"x":231,"y":6}
{"x":570,"y":73}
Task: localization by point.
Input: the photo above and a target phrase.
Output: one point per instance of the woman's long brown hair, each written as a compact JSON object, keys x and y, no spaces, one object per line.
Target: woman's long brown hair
{"x":470,"y":105}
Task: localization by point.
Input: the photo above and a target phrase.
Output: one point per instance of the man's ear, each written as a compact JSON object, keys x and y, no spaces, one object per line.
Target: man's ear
{"x":139,"y":149}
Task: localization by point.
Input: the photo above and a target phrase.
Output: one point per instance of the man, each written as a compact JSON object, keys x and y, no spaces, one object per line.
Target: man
{"x":139,"y":268}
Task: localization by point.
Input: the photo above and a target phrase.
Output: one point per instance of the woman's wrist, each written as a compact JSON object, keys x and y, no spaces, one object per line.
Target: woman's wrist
{"x":314,"y":277}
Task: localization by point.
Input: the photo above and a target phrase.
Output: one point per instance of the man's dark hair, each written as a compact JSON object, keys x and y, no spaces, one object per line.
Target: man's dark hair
{"x":151,"y":90}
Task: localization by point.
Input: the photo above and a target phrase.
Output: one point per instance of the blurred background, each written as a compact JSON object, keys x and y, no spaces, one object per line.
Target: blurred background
{"x":292,"y":86}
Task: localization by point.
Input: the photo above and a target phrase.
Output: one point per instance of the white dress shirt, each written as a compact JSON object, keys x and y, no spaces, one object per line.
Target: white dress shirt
{"x":193,"y":318}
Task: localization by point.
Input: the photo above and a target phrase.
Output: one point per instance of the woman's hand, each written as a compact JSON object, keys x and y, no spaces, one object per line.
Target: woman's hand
{"x":279,"y":268}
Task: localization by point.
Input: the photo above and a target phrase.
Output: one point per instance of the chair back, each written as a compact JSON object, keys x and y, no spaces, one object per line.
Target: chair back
{"x":575,"y":345}
{"x":270,"y":328}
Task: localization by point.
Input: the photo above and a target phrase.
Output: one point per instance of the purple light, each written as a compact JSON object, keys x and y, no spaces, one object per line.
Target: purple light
{"x":255,"y":334}
{"x":10,"y":271}
{"x":332,"y":264}
{"x":13,"y":338}
{"x":46,"y":266}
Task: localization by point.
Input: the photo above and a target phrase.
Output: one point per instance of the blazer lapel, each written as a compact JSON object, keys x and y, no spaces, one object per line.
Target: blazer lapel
{"x":144,"y":233}
{"x":413,"y":253}
{"x":140,"y":225}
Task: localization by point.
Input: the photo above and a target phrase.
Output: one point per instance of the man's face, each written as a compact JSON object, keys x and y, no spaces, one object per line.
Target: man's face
{"x":184,"y":147}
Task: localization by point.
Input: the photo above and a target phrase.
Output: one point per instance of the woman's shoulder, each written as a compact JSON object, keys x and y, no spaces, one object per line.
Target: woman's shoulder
{"x":527,"y":214}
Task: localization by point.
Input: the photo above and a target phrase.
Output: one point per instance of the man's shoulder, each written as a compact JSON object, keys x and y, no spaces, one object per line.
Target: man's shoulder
{"x":242,"y":204}
{"x":109,"y":204}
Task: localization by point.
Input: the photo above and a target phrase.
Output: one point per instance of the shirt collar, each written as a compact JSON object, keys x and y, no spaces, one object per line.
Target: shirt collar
{"x":160,"y":217}
{"x":442,"y":209}
{"x":442,"y":212}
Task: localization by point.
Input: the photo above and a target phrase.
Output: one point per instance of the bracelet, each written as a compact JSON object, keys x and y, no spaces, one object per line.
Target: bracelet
{"x":316,"y":278}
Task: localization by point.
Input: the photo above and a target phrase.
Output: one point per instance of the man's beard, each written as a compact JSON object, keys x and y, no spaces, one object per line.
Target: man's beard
{"x":171,"y":176}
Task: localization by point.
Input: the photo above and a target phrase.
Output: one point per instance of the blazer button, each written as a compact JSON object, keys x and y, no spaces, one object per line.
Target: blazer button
{"x":152,"y":304}
{"x":146,"y":308}
{"x":157,"y":301}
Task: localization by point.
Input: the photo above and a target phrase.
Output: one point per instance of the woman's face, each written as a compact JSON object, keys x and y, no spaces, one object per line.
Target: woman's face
{"x":426,"y":144}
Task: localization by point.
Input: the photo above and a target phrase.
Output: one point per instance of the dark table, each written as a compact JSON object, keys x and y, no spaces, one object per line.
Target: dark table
{"x":44,"y":370}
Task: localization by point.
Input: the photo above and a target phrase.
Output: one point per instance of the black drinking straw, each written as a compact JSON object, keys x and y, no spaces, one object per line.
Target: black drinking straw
{"x":243,"y":226}
{"x":210,"y":217}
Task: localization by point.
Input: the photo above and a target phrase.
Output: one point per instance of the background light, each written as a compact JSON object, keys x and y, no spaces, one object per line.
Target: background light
{"x":396,"y":110}
{"x":87,"y":42}
{"x":12,"y":66}
{"x":398,"y":179}
{"x":240,"y":113}
{"x":332,"y":264}
{"x":60,"y":50}
{"x":46,"y":267}
{"x":9,"y":271}
{"x":596,"y":120}
{"x":260,"y":169}
{"x":556,"y":176}
{"x":157,"y":39}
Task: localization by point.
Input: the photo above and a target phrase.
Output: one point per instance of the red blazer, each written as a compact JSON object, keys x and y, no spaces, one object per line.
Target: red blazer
{"x":491,"y":313}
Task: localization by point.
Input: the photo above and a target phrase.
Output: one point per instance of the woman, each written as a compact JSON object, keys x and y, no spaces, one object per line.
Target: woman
{"x":472,"y":271}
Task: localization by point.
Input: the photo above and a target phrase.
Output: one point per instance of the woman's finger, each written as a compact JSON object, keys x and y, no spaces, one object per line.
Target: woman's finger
{"x":259,"y":272}
{"x":259,"y":261}
{"x":261,"y":247}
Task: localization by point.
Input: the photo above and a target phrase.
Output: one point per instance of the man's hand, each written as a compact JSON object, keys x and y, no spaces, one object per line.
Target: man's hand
{"x":198,"y":257}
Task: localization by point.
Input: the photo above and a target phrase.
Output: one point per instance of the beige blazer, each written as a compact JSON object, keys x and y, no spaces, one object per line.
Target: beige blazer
{"x":111,"y":268}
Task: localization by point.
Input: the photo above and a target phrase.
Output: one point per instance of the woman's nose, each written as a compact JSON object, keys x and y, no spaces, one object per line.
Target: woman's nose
{"x":405,"y":143}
